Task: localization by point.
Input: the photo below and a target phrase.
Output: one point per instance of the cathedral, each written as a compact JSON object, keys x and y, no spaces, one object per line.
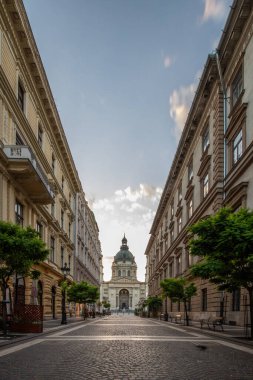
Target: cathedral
{"x":123,"y":291}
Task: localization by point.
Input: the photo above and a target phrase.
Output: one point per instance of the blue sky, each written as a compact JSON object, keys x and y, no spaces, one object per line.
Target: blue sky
{"x":123,"y":74}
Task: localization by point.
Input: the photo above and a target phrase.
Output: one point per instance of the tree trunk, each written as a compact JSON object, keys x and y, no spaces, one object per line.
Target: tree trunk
{"x":186,"y":313}
{"x":250,"y":290}
{"x":4,"y":308}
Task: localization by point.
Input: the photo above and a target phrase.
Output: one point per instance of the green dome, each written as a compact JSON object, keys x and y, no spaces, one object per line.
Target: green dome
{"x":124,"y":254}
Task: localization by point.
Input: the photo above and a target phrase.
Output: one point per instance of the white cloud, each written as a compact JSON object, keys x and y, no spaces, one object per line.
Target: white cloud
{"x":214,"y":9}
{"x":180,"y":102}
{"x":167,"y":61}
{"x":130,"y":211}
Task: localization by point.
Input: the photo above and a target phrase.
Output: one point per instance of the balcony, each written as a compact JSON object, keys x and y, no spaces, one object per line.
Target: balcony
{"x":24,"y":167}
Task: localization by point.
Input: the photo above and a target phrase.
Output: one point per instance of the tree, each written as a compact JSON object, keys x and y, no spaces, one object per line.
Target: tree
{"x":20,"y":249}
{"x":154,"y":304}
{"x":178,"y":291}
{"x":224,"y":241}
{"x":82,"y":293}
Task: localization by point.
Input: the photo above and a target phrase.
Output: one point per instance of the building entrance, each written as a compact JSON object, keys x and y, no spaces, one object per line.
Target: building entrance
{"x":124,"y":299}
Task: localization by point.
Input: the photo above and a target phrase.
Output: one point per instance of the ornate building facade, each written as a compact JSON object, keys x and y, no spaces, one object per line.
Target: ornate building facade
{"x":212,"y":167}
{"x":123,"y":291}
{"x":39,"y":183}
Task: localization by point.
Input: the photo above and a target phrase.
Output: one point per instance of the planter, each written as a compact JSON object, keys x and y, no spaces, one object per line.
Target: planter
{"x":26,"y":327}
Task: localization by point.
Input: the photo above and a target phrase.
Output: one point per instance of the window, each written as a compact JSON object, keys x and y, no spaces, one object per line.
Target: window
{"x":205,"y":185}
{"x":52,"y":248}
{"x":236,"y":299}
{"x":39,"y":229}
{"x":172,"y":209}
{"x":62,"y":257}
{"x":205,"y":140}
{"x":69,"y":261}
{"x":53,"y":163}
{"x":180,"y":196}
{"x":237,"y":87}
{"x":40,"y":136}
{"x":171,"y":272}
{"x":172,"y":234}
{"x":21,"y":96}
{"x":237,"y":147}
{"x":119,"y":273}
{"x":128,"y":273}
{"x":179,"y":224}
{"x":190,"y":171}
{"x":19,"y":140}
{"x":62,"y":219}
{"x":62,"y":183}
{"x":190,"y":208}
{"x":69,"y":230}
{"x":204,"y":299}
{"x":178,"y":265}
{"x":19,"y":213}
{"x":53,"y":209}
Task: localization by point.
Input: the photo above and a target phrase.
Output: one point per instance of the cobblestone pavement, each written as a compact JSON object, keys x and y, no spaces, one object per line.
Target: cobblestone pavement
{"x":126,"y":347}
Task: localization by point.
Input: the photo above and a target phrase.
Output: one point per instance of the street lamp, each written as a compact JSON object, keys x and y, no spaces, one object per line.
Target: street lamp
{"x":65,"y":270}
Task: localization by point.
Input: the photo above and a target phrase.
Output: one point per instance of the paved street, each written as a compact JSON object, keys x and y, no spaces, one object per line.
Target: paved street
{"x":126,"y":347}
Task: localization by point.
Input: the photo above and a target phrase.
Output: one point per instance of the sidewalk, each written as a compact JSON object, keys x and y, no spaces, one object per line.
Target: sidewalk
{"x":48,"y":327}
{"x":235,"y":334}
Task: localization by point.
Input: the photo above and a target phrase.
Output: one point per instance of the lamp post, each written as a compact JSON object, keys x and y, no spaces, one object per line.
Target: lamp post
{"x":65,"y":270}
{"x":166,"y":315}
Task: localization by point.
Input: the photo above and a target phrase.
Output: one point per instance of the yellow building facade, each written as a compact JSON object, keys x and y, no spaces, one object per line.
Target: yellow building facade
{"x":212,"y":167}
{"x":39,"y":182}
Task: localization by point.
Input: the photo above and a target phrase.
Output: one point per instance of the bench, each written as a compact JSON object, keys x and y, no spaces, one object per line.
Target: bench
{"x":212,"y":321}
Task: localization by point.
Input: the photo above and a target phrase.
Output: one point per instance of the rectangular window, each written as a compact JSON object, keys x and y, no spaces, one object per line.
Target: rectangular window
{"x":178,"y":264}
{"x":19,"y":140}
{"x":190,"y":208}
{"x":21,"y":96}
{"x":237,"y":147}
{"x":171,"y":272}
{"x":69,"y":261}
{"x":53,"y":163}
{"x":39,"y":229}
{"x":180,"y":196}
{"x":40,"y":136}
{"x":62,"y":219}
{"x":19,"y":213}
{"x":172,"y":209}
{"x":53,"y":209}
{"x":236,"y":299}
{"x":62,"y":257}
{"x":69,"y":230}
{"x":179,"y":224}
{"x":204,"y":299}
{"x":172,"y":234}
{"x":62,"y":183}
{"x":190,"y":171}
{"x":237,"y":87}
{"x":205,"y":185}
{"x":205,"y":140}
{"x":52,"y":249}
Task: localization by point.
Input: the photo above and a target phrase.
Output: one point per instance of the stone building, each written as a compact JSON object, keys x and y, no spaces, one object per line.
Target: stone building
{"x":212,"y":167}
{"x":123,"y":291}
{"x":39,"y":182}
{"x":88,"y":248}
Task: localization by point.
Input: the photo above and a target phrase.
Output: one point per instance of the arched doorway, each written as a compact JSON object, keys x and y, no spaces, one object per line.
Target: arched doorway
{"x":53,"y":295}
{"x":124,"y":299}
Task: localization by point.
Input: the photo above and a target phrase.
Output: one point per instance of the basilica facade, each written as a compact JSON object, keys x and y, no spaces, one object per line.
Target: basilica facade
{"x":123,"y":291}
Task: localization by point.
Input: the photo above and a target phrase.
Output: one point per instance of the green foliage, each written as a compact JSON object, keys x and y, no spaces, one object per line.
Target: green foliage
{"x":82,"y":292}
{"x":106,"y":304}
{"x":154,"y":303}
{"x":20,"y":249}
{"x":225,"y":242}
{"x":177,"y":289}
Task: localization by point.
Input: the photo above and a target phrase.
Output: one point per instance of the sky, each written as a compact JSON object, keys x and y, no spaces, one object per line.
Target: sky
{"x":123,"y":74}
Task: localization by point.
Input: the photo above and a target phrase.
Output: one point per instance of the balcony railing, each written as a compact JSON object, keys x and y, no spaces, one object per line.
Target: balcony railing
{"x":28,"y":172}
